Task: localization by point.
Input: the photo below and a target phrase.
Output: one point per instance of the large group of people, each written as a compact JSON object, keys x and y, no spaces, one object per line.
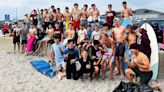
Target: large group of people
{"x":80,"y":47}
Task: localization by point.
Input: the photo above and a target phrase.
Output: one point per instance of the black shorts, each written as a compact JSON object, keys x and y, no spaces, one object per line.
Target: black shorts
{"x":145,"y":77}
{"x":96,"y":60}
{"x":23,"y":41}
{"x":16,"y":40}
{"x":51,"y":41}
{"x":61,"y":25}
{"x":110,"y":26}
{"x":46,"y":24}
{"x":52,"y":24}
{"x":119,"y":49}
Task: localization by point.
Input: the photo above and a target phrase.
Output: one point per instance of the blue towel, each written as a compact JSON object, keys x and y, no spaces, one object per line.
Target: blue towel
{"x":43,"y":67}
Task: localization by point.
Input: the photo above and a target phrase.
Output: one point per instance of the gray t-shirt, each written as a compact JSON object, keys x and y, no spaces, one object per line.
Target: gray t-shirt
{"x":23,"y":34}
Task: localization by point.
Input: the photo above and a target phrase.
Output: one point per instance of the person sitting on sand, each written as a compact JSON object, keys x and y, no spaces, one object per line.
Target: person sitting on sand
{"x":96,"y":33}
{"x":89,"y":31}
{"x":82,"y":34}
{"x":58,"y":31}
{"x":92,"y":50}
{"x":50,"y":34}
{"x":71,"y":56}
{"x":40,"y":34}
{"x":56,"y":56}
{"x":69,"y":34}
{"x":86,"y":65}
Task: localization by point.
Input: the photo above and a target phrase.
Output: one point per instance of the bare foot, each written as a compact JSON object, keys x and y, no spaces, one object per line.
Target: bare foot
{"x":121,"y":77}
{"x":111,"y":77}
{"x":157,"y":87}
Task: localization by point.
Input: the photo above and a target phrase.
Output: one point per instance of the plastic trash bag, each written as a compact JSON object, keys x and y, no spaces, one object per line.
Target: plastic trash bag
{"x":143,"y":88}
{"x":125,"y":87}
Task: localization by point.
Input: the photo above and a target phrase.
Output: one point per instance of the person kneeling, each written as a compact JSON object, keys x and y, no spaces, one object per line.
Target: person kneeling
{"x":56,"y":56}
{"x":139,"y":66}
{"x":86,"y":65}
{"x":71,"y":56}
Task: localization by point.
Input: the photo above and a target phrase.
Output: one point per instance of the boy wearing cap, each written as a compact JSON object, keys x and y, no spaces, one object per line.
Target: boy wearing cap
{"x":119,"y":38}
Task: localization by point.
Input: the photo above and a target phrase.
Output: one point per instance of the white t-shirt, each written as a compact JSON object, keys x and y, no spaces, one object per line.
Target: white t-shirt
{"x":17,"y":30}
{"x":95,"y":35}
{"x":82,"y":34}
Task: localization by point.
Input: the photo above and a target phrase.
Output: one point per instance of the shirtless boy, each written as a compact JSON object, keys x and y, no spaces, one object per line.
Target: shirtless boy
{"x":76,"y":17}
{"x":118,"y":35}
{"x":108,"y":56}
{"x":84,"y":15}
{"x":67,"y":17}
{"x":126,"y":13}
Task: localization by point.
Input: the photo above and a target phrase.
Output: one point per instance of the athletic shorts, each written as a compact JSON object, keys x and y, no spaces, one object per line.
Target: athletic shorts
{"x":93,"y":22}
{"x":28,"y":26}
{"x":67,"y":23}
{"x":119,"y":49}
{"x":145,"y":77}
{"x":61,"y":25}
{"x":46,"y":24}
{"x":126,"y":22}
{"x":76,"y":24}
{"x":59,"y":63}
{"x":46,"y":38}
{"x":16,"y":40}
{"x":85,"y":23}
{"x":23,"y":41}
{"x":106,"y":55}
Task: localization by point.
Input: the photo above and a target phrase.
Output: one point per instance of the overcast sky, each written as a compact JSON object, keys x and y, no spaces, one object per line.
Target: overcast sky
{"x":25,"y":6}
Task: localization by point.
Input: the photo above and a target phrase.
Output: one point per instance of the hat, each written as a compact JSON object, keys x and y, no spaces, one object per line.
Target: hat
{"x":116,"y":19}
{"x":134,"y":46}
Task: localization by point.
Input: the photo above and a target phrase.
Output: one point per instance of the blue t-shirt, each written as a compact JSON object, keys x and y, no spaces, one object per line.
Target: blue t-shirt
{"x":89,"y":34}
{"x":58,"y":54}
{"x":72,"y":53}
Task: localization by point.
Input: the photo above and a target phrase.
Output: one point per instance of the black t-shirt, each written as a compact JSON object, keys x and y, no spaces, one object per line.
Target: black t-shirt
{"x":40,"y":35}
{"x":110,"y":17}
{"x":58,"y":31}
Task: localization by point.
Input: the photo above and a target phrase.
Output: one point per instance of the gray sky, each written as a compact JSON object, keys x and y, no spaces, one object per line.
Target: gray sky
{"x":25,"y":6}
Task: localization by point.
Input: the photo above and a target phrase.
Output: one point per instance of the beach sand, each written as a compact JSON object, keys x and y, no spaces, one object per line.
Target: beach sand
{"x":17,"y":75}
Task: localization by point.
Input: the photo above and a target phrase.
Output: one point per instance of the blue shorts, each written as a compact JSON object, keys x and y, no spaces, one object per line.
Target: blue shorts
{"x":28,"y":26}
{"x":119,"y":49}
{"x":126,"y":22}
{"x":59,"y":63}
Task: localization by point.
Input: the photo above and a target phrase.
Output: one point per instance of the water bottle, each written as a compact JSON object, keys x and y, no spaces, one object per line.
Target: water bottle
{"x":139,"y":40}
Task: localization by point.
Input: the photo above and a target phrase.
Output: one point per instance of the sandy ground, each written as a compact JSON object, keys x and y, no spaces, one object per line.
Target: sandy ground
{"x":17,"y":75}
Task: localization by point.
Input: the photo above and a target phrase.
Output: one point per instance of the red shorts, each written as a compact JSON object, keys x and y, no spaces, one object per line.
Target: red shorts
{"x":76,"y":24}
